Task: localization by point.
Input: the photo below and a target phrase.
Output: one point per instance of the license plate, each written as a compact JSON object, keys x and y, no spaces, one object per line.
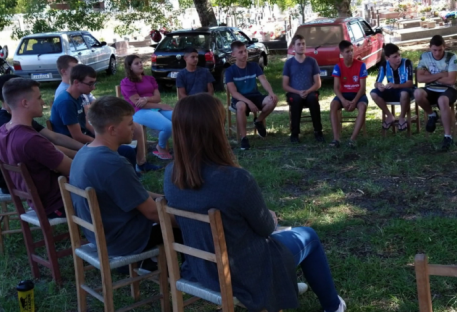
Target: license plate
{"x":41,"y":76}
{"x":173,"y":74}
{"x":323,"y":73}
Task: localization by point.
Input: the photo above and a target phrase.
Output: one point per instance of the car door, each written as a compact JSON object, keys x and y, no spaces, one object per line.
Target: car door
{"x":79,"y":49}
{"x":253,"y":51}
{"x":374,"y":42}
{"x":359,"y":41}
{"x":98,"y":54}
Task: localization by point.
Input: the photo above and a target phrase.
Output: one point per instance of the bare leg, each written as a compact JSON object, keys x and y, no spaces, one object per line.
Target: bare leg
{"x":268,"y":105}
{"x":443,"y":103}
{"x":421,"y":99}
{"x":405,"y":103}
{"x":362,"y":107}
{"x":335,"y":106}
{"x":383,"y":106}
{"x":241,"y":118}
{"x":140,"y":147}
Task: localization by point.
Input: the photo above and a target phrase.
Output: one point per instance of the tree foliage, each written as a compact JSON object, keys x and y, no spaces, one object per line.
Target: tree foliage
{"x":286,"y":4}
{"x":332,"y":8}
{"x":7,"y":9}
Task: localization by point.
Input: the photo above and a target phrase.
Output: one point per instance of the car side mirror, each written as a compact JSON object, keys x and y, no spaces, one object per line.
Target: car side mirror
{"x":378,"y":30}
{"x":103,"y":43}
{"x":254,"y":40}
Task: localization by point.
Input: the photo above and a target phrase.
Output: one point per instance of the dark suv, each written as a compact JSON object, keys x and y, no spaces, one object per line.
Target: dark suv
{"x":213,"y":46}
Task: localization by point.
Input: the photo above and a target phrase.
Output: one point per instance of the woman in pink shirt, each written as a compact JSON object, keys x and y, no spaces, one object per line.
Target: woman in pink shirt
{"x":142,"y":92}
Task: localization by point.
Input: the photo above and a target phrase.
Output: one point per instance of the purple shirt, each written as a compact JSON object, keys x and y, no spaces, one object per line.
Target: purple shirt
{"x":145,"y":87}
{"x":22,"y":144}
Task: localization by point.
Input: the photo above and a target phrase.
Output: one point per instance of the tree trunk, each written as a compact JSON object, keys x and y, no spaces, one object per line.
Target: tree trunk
{"x":452,"y":5}
{"x":343,"y":7}
{"x":205,"y":13}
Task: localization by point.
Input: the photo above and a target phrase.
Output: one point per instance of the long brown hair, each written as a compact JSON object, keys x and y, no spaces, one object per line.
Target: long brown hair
{"x":198,"y":138}
{"x":128,"y":72}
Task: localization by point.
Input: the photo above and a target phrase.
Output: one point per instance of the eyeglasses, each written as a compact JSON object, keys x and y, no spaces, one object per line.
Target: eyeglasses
{"x":90,"y":84}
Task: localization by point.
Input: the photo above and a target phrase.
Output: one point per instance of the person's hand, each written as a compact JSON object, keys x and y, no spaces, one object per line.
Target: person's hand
{"x":252,"y":107}
{"x":275,"y":218}
{"x":390,"y":85}
{"x":345,"y":103}
{"x":141,"y":102}
{"x":351,"y":106}
{"x":274,"y":98}
{"x":304,"y":94}
{"x":381,"y":87}
{"x":165,"y":107}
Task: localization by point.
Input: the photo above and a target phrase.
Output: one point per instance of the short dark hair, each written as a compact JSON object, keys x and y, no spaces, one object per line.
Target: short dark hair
{"x":108,"y":110}
{"x":16,"y":89}
{"x":190,"y":50}
{"x":343,"y":45}
{"x":390,"y":49}
{"x":297,"y":37}
{"x":437,"y":41}
{"x":3,"y":80}
{"x":63,"y":62}
{"x":80,"y":72}
{"x":237,"y":44}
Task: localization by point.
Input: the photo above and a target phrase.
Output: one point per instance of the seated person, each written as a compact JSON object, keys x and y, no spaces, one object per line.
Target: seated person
{"x":142,"y":92}
{"x":399,"y":87}
{"x":301,"y":80}
{"x":21,"y":143}
{"x":65,"y":144}
{"x":438,"y":69}
{"x":128,"y":211}
{"x":262,"y":263}
{"x":349,"y":86}
{"x":241,"y":79}
{"x":64,"y":64}
{"x":67,"y":113}
{"x":193,"y":79}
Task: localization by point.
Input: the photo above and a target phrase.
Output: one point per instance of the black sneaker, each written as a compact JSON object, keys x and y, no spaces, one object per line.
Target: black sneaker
{"x":260,"y":128}
{"x":431,"y":122}
{"x":294,"y":139}
{"x":335,"y":143}
{"x":245,"y":144}
{"x":352,"y":144}
{"x":447,"y":143}
{"x":319,"y":136}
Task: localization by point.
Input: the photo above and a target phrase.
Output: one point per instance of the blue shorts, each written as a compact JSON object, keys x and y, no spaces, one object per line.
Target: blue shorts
{"x":393,"y":95}
{"x":350,"y":96}
{"x":256,"y":98}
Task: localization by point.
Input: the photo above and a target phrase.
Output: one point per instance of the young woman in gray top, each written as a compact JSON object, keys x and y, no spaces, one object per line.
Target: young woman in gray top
{"x":204,"y":175}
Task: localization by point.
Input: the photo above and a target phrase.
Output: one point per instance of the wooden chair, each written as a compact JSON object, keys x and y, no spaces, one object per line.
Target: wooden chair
{"x":410,"y":119}
{"x":423,"y":271}
{"x":38,"y":218}
{"x":5,"y":216}
{"x":117,"y":89}
{"x":98,"y":257}
{"x":179,"y":285}
{"x":346,"y":118}
{"x":233,"y":127}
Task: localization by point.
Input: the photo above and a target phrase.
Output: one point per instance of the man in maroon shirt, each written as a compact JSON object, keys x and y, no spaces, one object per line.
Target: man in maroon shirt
{"x":19,"y":143}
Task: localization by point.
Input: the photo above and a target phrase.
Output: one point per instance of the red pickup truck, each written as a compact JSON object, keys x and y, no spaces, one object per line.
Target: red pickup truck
{"x":323,"y":35}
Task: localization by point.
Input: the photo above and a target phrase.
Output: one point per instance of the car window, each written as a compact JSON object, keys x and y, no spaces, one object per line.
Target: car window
{"x":77,"y":43}
{"x":240,"y":36}
{"x":224,"y":39}
{"x":318,"y":36}
{"x":183,"y":41}
{"x":366,"y":28}
{"x":356,"y":32}
{"x":40,"y":45}
{"x":91,"y":41}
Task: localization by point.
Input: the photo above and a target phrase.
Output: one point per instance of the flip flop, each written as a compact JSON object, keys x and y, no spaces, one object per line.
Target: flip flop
{"x":403,"y":126}
{"x":387,"y":125}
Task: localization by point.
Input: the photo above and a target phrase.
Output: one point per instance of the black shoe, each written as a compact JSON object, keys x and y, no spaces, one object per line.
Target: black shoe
{"x":447,"y":143}
{"x":319,"y":136}
{"x":260,"y":128}
{"x":431,"y":123}
{"x":335,"y":143}
{"x":245,"y":144}
{"x":294,"y":139}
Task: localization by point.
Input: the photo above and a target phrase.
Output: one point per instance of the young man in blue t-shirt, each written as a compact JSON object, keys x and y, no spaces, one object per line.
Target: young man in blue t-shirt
{"x":193,"y":79}
{"x":301,"y":80}
{"x":241,"y":79}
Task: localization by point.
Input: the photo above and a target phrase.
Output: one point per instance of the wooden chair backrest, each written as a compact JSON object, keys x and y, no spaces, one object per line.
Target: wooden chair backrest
{"x":117,"y":89}
{"x":96,"y":226}
{"x":220,"y":257}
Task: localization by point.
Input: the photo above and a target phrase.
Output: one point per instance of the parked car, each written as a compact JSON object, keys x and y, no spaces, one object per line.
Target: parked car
{"x":323,"y":35}
{"x":213,"y":46}
{"x":37,"y":54}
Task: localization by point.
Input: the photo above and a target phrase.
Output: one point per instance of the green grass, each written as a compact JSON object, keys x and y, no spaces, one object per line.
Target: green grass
{"x":374,"y":208}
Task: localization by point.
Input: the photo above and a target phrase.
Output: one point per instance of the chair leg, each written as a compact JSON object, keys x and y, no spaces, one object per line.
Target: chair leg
{"x":79,"y":275}
{"x":394,"y":128}
{"x":229,"y":121}
{"x":52,"y":255}
{"x":418,"y":120}
{"x":384,"y":132}
{"x":408,"y":116}
{"x":107,"y":286}
{"x":3,"y":220}
{"x":30,"y":248}
{"x":423,"y":283}
{"x":163,"y":281}
{"x":134,"y":287}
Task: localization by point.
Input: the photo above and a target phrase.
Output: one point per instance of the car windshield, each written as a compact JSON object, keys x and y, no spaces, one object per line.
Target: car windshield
{"x":183,"y":41}
{"x":40,"y":45}
{"x":316,"y":36}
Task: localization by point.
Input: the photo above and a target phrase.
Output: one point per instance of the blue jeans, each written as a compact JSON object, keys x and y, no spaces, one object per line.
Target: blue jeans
{"x":157,"y":120}
{"x":128,"y":153}
{"x":307,"y":250}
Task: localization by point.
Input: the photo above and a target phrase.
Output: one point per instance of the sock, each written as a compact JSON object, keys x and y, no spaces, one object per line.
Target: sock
{"x":432,"y":114}
{"x":448,"y":136}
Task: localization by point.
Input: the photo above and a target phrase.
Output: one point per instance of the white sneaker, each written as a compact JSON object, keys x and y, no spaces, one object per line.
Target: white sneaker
{"x":302,"y":288}
{"x":342,"y":306}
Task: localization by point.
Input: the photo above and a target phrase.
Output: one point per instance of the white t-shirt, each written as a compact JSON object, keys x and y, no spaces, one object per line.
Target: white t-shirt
{"x":447,"y":64}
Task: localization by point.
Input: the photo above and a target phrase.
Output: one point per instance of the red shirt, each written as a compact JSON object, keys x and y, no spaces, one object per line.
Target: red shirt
{"x":350,"y":76}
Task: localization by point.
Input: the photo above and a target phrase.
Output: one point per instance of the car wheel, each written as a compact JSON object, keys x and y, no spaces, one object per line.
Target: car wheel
{"x":112,"y":66}
{"x":219,"y":85}
{"x":262,"y":61}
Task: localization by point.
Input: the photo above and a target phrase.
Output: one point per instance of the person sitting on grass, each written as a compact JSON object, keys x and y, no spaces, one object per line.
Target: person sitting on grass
{"x":438,"y":69}
{"x":349,"y":81}
{"x":301,"y":80}
{"x":128,"y":211}
{"x":21,"y":143}
{"x":399,"y":87}
{"x":241,"y":79}
{"x":262,"y":263}
{"x":142,"y":92}
{"x":64,"y":64}
{"x":193,"y":79}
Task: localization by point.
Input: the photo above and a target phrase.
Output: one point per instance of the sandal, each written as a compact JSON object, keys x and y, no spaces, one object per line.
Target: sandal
{"x":335,"y":143}
{"x":403,"y":126}
{"x":387,"y":125}
{"x":165,"y":156}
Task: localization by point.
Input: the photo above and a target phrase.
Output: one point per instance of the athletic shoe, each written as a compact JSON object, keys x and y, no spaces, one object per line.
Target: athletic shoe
{"x":342,"y":306}
{"x":319,"y":136}
{"x":245,"y":144}
{"x":447,"y":143}
{"x":352,"y":144}
{"x":260,"y":128}
{"x":146,"y":167}
{"x":335,"y":143}
{"x":294,"y":139}
{"x":302,"y":288}
{"x":431,"y":122}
